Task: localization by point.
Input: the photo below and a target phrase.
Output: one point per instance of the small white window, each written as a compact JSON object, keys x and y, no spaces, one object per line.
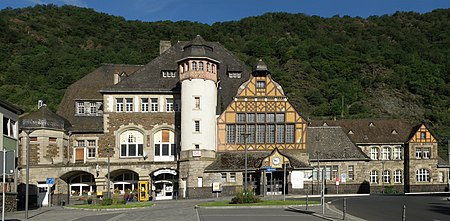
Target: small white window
{"x":169,"y":105}
{"x":197,"y":103}
{"x":119,"y":104}
{"x":233,"y":177}
{"x":200,"y":182}
{"x":422,"y":175}
{"x":194,"y":66}
{"x":80,"y":108}
{"x":351,"y":172}
{"x":398,"y":176}
{"x":200,"y":66}
{"x":374,"y":153}
{"x":260,"y":84}
{"x":385,"y":153}
{"x":154,"y":105}
{"x":397,"y":153}
{"x":426,"y":153}
{"x":129,"y":104}
{"x":223,"y":177}
{"x":93,"y":108}
{"x":197,"y":126}
{"x":386,"y":176}
{"x":144,"y":104}
{"x":418,"y":153}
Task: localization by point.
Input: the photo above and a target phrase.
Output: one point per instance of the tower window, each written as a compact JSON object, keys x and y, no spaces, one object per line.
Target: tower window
{"x":200,"y":66}
{"x":197,"y":103}
{"x":260,"y":84}
{"x":194,"y":66}
{"x":197,"y":126}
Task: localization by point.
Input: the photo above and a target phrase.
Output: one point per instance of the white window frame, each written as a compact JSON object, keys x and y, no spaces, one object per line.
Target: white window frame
{"x":81,"y":109}
{"x":374,"y":153}
{"x":385,"y":153}
{"x":426,"y":153}
{"x":374,"y":176}
{"x":119,"y":105}
{"x":10,"y":126}
{"x":128,"y":138}
{"x":197,"y":126}
{"x":386,"y":176}
{"x":91,"y":146}
{"x":197,"y":103}
{"x":159,"y":146}
{"x":144,"y":104}
{"x":223,"y":177}
{"x":423,"y":175}
{"x":154,"y":104}
{"x":169,"y":105}
{"x":398,"y":176}
{"x":351,"y":172}
{"x":232,"y":177}
{"x":397,"y":153}
{"x":231,"y":133}
{"x":129,"y":104}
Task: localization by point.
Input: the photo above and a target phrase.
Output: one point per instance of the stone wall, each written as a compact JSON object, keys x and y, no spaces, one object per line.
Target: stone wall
{"x":11,"y":202}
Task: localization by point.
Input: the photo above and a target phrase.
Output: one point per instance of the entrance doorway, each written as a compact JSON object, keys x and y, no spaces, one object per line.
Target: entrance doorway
{"x":274,"y":183}
{"x":43,"y":194}
{"x":165,"y":184}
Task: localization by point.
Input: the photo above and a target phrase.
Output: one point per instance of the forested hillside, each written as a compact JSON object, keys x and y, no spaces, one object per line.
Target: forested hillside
{"x":395,"y":66}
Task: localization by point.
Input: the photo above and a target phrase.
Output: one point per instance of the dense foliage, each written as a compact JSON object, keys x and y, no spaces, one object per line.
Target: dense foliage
{"x":392,"y":66}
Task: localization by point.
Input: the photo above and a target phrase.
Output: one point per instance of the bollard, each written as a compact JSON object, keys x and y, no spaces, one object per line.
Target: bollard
{"x":306,"y":201}
{"x":344,"y":210}
{"x":404,"y":213}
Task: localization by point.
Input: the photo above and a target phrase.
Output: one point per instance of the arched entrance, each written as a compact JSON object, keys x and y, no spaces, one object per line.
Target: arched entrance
{"x":165,"y":184}
{"x":80,"y":184}
{"x":124,"y":180}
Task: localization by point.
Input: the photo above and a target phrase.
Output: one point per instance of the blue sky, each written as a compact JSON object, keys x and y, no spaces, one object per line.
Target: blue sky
{"x":210,"y":11}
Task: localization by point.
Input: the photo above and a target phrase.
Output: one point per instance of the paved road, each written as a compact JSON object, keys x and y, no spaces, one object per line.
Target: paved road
{"x":252,"y":214}
{"x":386,"y":208}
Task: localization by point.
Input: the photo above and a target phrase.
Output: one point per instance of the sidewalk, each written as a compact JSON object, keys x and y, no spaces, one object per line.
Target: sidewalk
{"x":329,"y":212}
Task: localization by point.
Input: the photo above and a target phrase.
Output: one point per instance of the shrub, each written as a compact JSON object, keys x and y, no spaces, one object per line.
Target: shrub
{"x":106,"y":202}
{"x":243,"y":197}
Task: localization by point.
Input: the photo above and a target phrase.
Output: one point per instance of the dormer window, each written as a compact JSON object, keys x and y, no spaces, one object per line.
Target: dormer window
{"x":234,"y":74}
{"x":371,"y":124}
{"x":168,"y":74}
{"x":88,"y":108}
{"x":394,"y":132}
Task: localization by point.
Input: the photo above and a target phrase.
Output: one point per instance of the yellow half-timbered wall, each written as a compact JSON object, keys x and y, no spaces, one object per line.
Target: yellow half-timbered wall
{"x":256,"y":100}
{"x":423,"y":135}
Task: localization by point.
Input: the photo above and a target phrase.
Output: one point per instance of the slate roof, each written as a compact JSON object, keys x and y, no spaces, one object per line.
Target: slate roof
{"x":87,"y":88}
{"x":372,"y":131}
{"x":235,"y":161}
{"x":150,"y":79}
{"x":44,"y":118}
{"x":443,"y":162}
{"x":331,"y":143}
{"x":11,"y":107}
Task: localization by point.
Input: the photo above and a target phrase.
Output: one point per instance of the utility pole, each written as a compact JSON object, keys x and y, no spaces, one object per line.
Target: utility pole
{"x":245,"y":153}
{"x":109,"y":177}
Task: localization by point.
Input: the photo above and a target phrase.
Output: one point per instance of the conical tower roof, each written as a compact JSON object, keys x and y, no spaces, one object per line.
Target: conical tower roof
{"x":44,"y":118}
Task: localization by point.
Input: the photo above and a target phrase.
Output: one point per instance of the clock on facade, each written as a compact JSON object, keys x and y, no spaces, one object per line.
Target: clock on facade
{"x":276,"y":160}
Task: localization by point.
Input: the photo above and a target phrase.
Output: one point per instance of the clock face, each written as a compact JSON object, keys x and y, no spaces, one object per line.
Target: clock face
{"x":276,"y":160}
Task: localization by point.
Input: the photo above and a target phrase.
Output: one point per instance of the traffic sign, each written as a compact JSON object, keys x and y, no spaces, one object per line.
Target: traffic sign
{"x":51,"y":181}
{"x":270,"y":170}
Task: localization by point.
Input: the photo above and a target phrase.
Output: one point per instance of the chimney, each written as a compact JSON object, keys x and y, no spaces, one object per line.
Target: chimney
{"x":163,"y":46}
{"x":40,"y":104}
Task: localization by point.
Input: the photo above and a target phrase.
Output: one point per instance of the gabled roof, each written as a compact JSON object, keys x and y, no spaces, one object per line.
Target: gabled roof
{"x":44,"y":118}
{"x":372,"y":131}
{"x":87,"y":88}
{"x":235,"y":160}
{"x":331,"y":143}
{"x":150,"y":79}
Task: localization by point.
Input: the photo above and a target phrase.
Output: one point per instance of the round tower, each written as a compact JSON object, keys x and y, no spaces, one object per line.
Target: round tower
{"x":198,"y":76}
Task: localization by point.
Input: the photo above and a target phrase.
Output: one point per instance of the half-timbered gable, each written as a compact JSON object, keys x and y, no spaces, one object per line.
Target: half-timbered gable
{"x":261,"y":118}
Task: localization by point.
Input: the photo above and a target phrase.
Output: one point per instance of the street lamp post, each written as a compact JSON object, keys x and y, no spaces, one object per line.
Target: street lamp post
{"x":27,"y":177}
{"x":245,"y":153}
{"x":109,"y":177}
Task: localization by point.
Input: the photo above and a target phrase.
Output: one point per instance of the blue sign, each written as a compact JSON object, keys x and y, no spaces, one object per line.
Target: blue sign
{"x":51,"y":181}
{"x":267,"y":167}
{"x":270,"y":170}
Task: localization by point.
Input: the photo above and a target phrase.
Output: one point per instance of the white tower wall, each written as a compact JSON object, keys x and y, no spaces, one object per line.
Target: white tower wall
{"x":206,"y":114}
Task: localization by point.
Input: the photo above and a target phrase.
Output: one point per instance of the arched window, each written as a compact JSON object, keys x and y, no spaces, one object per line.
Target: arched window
{"x":194,"y":65}
{"x":131,"y":144}
{"x":83,"y":184}
{"x":213,"y":68}
{"x":423,"y":175}
{"x":386,"y":153}
{"x":374,"y":153}
{"x":208,"y":66}
{"x":125,"y":181}
{"x":398,"y":176}
{"x":373,"y":176}
{"x":165,"y":146}
{"x":200,"y":66}
{"x":386,"y":176}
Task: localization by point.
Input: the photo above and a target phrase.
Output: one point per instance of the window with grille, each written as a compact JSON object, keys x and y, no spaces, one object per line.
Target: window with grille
{"x":422,"y":175}
{"x":119,"y":104}
{"x":200,"y":66}
{"x":129,"y":104}
{"x":197,"y":103}
{"x":426,"y":153}
{"x":223,"y":177}
{"x":197,"y":126}
{"x":144,"y":104}
{"x":80,"y":108}
{"x":194,"y":66}
{"x":374,"y":153}
{"x":351,"y":172}
{"x":169,"y":105}
{"x":397,"y":153}
{"x":386,"y":176}
{"x":373,"y":176}
{"x":131,"y":144}
{"x":260,"y":133}
{"x":398,"y":176}
{"x":165,"y":146}
{"x":260,"y":84}
{"x":154,"y":105}
{"x":231,"y":133}
{"x":385,"y":153}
